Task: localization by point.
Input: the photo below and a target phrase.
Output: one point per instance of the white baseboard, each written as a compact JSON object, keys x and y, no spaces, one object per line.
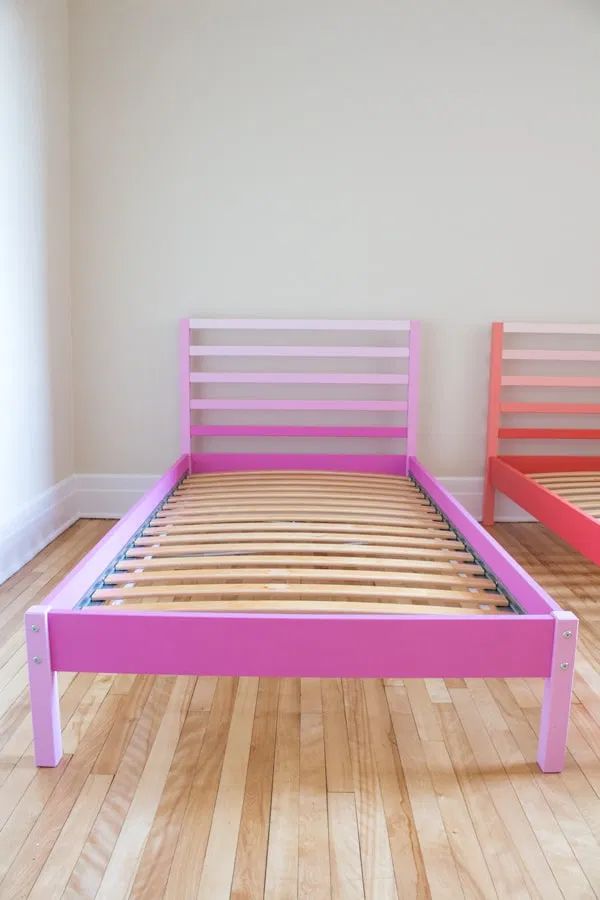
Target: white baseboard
{"x":468,"y":490}
{"x":36,"y":525}
{"x":110,"y":496}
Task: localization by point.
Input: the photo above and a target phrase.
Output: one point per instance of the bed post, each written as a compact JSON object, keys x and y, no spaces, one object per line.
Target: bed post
{"x":43,"y":689}
{"x":493,"y":423}
{"x":184,"y":386}
{"x":554,"y":724}
{"x":412,"y":411}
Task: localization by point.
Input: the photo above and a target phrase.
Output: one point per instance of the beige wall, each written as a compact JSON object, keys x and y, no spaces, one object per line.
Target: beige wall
{"x":36,"y":431}
{"x":332,"y":159}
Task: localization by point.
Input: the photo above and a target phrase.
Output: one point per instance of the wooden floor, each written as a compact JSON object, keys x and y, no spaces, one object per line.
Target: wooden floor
{"x":183,"y":787}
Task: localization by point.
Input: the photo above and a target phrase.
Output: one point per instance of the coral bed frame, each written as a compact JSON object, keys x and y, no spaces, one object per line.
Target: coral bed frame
{"x":67,"y":632}
{"x":563,"y":492}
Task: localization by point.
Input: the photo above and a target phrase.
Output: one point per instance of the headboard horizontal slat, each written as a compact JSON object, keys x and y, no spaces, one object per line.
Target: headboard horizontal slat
{"x":297,"y":378}
{"x":303,"y":324}
{"x":266,"y":403}
{"x":298,"y":431}
{"x":300,"y":352}
{"x":551,"y":328}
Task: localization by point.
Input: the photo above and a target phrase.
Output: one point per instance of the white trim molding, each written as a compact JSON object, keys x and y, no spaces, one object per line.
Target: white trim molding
{"x":468,"y":490}
{"x":36,"y":525}
{"x":110,"y":496}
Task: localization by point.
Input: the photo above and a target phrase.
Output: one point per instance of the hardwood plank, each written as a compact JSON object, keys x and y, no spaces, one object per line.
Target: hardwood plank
{"x":86,"y":711}
{"x":22,"y":860}
{"x":376,"y":856}
{"x":314,"y":879}
{"x":494,"y":837}
{"x":153,"y":870}
{"x":409,"y":868}
{"x":338,"y":766}
{"x":470,"y":862}
{"x":219,"y":860}
{"x":540,"y":880}
{"x":120,"y":871}
{"x":344,"y":848}
{"x":55,"y":873}
{"x":251,"y":855}
{"x":438,"y":859}
{"x":96,"y":854}
{"x":281,"y":878}
{"x":188,"y":859}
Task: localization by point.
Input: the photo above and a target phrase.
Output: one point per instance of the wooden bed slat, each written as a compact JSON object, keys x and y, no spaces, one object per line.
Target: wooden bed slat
{"x":294,"y":489}
{"x":566,"y":477}
{"x":295,"y":547}
{"x":158,"y":526}
{"x":198,"y":537}
{"x":274,"y":542}
{"x":278,"y":606}
{"x":581,"y":489}
{"x":233,"y":477}
{"x":375,"y":576}
{"x":367,"y":592}
{"x":307,"y":514}
{"x":301,"y":506}
{"x":584,"y":492}
{"x":228,"y":561}
{"x":383,"y":498}
{"x":392,"y":482}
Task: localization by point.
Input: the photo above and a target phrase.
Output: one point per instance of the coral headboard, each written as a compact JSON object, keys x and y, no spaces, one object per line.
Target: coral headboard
{"x":550,"y":405}
{"x":299,"y":379}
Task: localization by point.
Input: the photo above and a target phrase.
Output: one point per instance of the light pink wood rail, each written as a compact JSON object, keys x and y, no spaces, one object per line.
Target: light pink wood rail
{"x":383,"y":325}
{"x":297,"y":431}
{"x":390,"y":392}
{"x":299,"y":352}
{"x":551,"y":328}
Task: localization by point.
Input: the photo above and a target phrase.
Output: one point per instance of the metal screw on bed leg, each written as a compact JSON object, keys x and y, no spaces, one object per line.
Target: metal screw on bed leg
{"x":567,"y":634}
{"x":35,"y":628}
{"x":37,"y":660}
{"x":564,"y":665}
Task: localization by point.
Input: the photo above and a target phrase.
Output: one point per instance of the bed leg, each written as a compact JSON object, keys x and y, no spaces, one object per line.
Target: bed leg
{"x":43,"y":689}
{"x":489,"y":502}
{"x":554,"y":725}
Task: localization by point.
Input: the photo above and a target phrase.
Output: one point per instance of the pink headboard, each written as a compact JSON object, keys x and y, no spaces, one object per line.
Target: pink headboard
{"x":259,"y":378}
{"x":542,"y":375}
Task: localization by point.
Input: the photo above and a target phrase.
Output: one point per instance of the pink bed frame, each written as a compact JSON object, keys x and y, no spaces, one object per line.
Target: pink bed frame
{"x":510,"y":473}
{"x":64,"y":635}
